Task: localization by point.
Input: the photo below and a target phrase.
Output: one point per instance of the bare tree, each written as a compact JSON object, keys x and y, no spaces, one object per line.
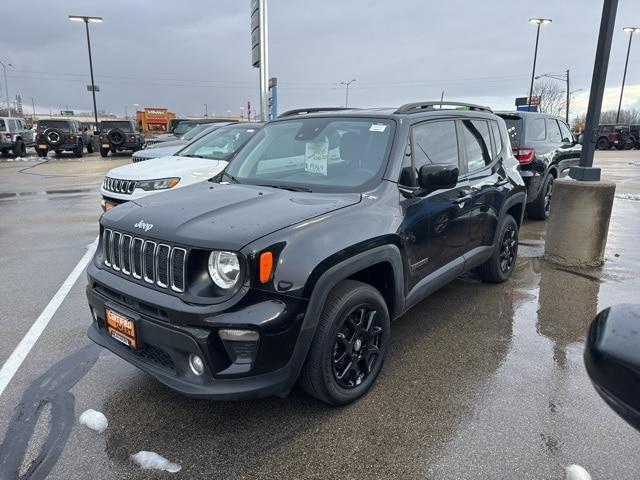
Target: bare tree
{"x":626,"y":116}
{"x":553,"y":98}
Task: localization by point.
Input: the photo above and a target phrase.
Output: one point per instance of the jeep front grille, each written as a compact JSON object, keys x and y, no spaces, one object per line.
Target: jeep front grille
{"x":154,"y":263}
{"x":117,"y":185}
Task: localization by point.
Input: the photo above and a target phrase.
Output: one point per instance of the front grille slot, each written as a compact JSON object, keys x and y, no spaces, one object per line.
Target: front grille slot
{"x":119,"y":186}
{"x":162,"y":263}
{"x":148,"y":259}
{"x":159,"y":264}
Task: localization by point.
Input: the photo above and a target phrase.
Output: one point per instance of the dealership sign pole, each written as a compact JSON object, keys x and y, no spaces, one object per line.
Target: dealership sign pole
{"x":260,"y":51}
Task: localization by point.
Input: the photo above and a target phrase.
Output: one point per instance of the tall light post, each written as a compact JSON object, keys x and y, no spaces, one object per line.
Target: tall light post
{"x":206,"y":110}
{"x":87,"y":20}
{"x":6,"y":85}
{"x":563,"y":78}
{"x":631,"y":31}
{"x":538,"y":22}
{"x":346,"y":100}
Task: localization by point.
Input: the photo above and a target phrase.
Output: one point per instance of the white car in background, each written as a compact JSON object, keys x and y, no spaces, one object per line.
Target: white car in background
{"x":199,"y":161}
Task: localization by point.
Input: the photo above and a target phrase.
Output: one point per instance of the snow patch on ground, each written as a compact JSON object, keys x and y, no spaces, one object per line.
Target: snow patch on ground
{"x":628,"y":196}
{"x":576,"y":472}
{"x":17,"y":159}
{"x":94,"y":420}
{"x":151,"y":460}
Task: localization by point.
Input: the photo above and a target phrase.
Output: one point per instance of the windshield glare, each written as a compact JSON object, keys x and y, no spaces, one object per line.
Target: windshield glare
{"x":194,"y":131}
{"x":219,"y":144}
{"x":184,"y":127}
{"x":319,"y":154}
{"x":124,"y":126}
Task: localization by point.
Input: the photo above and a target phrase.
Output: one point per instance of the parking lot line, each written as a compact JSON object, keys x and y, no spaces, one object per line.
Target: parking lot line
{"x":18,"y":356}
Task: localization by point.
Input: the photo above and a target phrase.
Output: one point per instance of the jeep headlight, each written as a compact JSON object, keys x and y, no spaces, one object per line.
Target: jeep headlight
{"x":158,"y":184}
{"x":224,"y":269}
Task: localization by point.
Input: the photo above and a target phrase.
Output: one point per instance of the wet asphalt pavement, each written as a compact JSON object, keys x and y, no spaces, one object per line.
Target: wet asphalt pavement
{"x":481,"y":381}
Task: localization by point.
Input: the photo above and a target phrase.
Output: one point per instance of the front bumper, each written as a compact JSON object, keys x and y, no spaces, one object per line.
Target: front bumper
{"x":168,"y":330}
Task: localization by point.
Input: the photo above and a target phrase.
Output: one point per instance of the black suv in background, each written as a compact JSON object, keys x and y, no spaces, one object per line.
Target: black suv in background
{"x":545,"y":148}
{"x":118,"y":135}
{"x":324,"y":227}
{"x":634,"y":130}
{"x":62,"y":135}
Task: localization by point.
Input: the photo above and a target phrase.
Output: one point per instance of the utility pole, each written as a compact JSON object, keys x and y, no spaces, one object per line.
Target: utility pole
{"x":126,"y":113}
{"x":538,"y":22}
{"x":631,"y":31}
{"x":6,"y":85}
{"x":566,"y":79}
{"x":346,"y":100}
{"x":33,"y":104}
{"x":260,"y":51}
{"x":206,"y":110}
{"x":87,"y":20}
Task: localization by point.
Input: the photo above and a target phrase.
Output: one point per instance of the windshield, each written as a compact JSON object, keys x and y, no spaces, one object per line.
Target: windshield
{"x":318,"y":154}
{"x":124,"y":126}
{"x":219,"y":144}
{"x":59,"y":124}
{"x":194,"y":131}
{"x":183,"y":128}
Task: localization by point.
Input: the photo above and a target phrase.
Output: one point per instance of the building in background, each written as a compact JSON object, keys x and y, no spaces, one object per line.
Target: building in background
{"x":154,"y":119}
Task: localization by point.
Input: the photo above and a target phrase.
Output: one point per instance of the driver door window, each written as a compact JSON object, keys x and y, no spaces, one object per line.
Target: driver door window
{"x":431,"y":143}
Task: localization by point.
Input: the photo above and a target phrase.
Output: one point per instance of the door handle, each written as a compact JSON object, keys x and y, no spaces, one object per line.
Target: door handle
{"x":462,"y":199}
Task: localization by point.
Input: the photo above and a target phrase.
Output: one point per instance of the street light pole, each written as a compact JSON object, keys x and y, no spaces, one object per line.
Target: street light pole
{"x":206,"y":110}
{"x":87,"y":20}
{"x":346,"y":100}
{"x":6,"y":85}
{"x":538,"y":22}
{"x":631,"y":31}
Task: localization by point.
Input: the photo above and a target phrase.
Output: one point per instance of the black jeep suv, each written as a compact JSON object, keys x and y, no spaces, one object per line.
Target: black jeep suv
{"x":545,"y":148}
{"x":118,"y":135}
{"x":61,"y":136}
{"x":326,"y":226}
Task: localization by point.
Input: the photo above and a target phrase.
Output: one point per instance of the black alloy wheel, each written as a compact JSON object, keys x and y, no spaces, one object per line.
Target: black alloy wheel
{"x":53,"y":136}
{"x":349,"y":346}
{"x":509,"y":250}
{"x":547,"y":196}
{"x":357,"y":346}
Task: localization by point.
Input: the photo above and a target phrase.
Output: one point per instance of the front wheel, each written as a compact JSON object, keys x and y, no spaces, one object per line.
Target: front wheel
{"x":540,"y":208}
{"x":350,"y":344}
{"x":603,"y":144}
{"x":501,"y":263}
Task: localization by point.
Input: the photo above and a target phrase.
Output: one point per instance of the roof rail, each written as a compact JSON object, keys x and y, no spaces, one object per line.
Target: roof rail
{"x":422,"y":106}
{"x":304,"y":111}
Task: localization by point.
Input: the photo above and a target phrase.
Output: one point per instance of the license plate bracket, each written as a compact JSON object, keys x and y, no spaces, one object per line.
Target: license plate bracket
{"x":121,"y":328}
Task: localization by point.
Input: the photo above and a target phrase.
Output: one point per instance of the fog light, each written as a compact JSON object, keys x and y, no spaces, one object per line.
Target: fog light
{"x":196,"y":364}
{"x":241,"y":345}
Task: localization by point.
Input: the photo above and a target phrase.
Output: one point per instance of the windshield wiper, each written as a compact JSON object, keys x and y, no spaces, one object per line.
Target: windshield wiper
{"x":230,"y":177}
{"x":193,"y":156}
{"x":288,"y":187}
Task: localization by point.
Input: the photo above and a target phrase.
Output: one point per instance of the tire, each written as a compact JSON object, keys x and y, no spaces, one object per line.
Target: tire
{"x":79,"y":150}
{"x":53,"y":136}
{"x":4,"y":152}
{"x":500,"y":266}
{"x":116,"y":137}
{"x":90,"y":146}
{"x":104,"y":152}
{"x":358,"y":340}
{"x":58,"y":153}
{"x":41,"y":153}
{"x":539,"y":209}
{"x":19,"y":150}
{"x":603,"y":144}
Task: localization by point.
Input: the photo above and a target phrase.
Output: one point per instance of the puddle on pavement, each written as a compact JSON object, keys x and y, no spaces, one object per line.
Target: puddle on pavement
{"x":44,"y":193}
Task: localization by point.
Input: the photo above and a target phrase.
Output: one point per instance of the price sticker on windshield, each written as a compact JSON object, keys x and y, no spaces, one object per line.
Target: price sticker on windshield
{"x":316,"y":157}
{"x":377,"y":127}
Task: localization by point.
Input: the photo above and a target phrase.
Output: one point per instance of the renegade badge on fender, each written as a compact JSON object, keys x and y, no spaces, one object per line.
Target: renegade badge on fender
{"x":326,"y":226}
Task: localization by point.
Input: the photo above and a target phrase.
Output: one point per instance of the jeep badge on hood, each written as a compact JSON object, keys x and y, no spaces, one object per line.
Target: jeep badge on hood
{"x":144,"y":225}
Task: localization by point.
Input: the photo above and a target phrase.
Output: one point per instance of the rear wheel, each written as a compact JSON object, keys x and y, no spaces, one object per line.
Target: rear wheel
{"x":19,"y":150}
{"x":104,"y":152}
{"x":90,"y":146}
{"x":540,"y":208}
{"x":603,"y":144}
{"x":4,"y":152}
{"x":350,"y":344}
{"x":41,"y":153}
{"x":79,"y":150}
{"x":58,"y":153}
{"x":500,"y":266}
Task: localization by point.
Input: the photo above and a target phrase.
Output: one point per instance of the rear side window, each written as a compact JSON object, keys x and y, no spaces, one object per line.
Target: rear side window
{"x":515,"y":126}
{"x":554,"y":130}
{"x":497,"y":138}
{"x":536,"y":130}
{"x":13,"y":125}
{"x":477,"y":144}
{"x":60,"y":124}
{"x":2,"y":126}
{"x":435,"y":142}
{"x":566,"y":133}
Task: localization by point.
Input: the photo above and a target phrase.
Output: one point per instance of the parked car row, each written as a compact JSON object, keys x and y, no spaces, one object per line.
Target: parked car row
{"x":619,"y":136}
{"x":293,"y":245}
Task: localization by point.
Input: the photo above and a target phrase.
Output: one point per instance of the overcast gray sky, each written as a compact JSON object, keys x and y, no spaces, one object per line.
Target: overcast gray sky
{"x":182,"y":55}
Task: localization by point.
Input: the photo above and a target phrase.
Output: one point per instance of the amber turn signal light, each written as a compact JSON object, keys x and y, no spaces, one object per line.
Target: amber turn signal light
{"x":266,"y":266}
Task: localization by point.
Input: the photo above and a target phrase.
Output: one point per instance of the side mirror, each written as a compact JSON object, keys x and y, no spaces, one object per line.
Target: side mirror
{"x":96,"y":132}
{"x":612,"y":359}
{"x":435,"y":177}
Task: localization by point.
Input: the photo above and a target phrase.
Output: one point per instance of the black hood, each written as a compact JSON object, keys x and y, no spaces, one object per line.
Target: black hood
{"x":218,"y":216}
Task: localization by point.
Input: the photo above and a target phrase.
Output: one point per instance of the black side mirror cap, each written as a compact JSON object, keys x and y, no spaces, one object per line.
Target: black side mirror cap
{"x":435,"y":177}
{"x":612,"y":359}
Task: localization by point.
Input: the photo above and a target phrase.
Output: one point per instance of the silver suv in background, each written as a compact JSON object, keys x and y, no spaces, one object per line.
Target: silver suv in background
{"x":15,"y":135}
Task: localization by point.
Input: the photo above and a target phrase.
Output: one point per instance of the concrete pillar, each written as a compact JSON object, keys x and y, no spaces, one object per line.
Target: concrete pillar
{"x":579,"y":222}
